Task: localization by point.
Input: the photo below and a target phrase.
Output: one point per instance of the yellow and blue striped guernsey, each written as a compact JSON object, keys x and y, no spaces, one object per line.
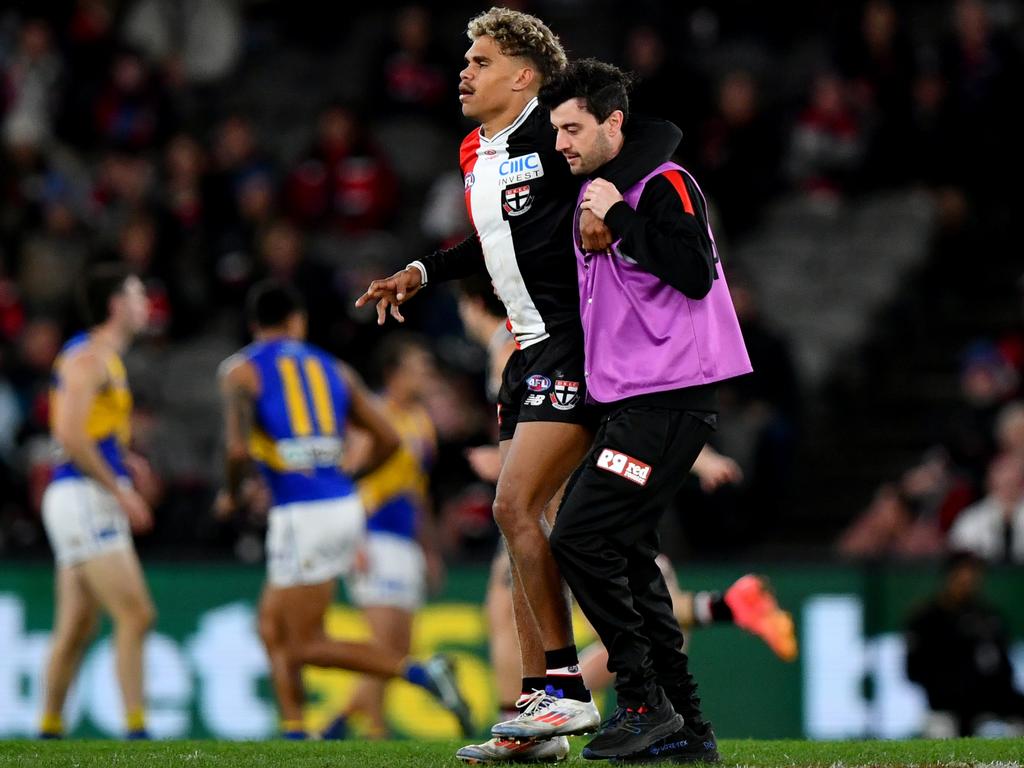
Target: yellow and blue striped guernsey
{"x":396,"y":493}
{"x":300,"y":418}
{"x":109,"y":420}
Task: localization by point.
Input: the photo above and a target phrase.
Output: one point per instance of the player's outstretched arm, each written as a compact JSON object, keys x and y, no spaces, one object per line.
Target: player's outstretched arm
{"x":366,"y":414}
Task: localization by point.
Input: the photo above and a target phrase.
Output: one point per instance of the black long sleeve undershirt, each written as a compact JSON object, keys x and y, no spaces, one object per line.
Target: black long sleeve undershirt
{"x":666,"y":240}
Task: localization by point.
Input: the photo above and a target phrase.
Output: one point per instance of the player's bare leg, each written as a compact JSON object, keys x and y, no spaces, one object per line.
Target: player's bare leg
{"x":537,"y":462}
{"x":76,"y":616}
{"x":390,"y":628}
{"x":285,"y":676}
{"x":119,"y":586}
{"x":309,"y":644}
{"x":503,"y":634}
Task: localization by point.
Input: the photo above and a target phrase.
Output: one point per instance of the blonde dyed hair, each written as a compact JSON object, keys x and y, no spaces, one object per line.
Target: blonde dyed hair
{"x":520,"y":34}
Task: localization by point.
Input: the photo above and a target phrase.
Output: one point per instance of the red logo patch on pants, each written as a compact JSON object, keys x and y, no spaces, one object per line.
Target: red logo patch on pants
{"x":625,"y":466}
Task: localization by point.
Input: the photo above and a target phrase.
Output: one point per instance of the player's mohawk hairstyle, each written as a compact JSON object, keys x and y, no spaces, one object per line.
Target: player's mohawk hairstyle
{"x":520,"y":34}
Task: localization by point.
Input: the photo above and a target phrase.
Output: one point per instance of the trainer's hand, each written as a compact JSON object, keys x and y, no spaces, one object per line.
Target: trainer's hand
{"x":391,"y":292}
{"x":135,"y":507}
{"x":594,"y":233}
{"x":599,"y":197}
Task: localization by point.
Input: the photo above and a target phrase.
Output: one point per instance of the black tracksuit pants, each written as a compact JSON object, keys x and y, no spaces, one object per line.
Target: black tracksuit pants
{"x":605,"y":541}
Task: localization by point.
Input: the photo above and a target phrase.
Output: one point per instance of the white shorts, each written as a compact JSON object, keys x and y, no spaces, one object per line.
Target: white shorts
{"x":312,"y":542}
{"x":83,"y":520}
{"x":396,"y":574}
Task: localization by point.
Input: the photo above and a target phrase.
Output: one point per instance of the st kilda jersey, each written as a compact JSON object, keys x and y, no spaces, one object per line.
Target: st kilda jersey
{"x":521,"y":198}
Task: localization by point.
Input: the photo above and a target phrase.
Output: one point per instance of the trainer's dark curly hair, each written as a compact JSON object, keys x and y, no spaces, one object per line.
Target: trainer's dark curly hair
{"x":602,"y":87}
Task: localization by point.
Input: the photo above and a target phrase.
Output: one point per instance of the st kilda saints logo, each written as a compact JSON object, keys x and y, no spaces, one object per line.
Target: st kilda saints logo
{"x":516,"y":199}
{"x":565,"y":394}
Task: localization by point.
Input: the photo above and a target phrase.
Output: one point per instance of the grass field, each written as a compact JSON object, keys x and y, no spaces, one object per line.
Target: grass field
{"x":1002,"y":753}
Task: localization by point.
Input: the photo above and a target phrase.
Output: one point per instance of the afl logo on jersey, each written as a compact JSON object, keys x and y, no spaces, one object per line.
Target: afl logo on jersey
{"x":469,"y":180}
{"x":516,"y":200}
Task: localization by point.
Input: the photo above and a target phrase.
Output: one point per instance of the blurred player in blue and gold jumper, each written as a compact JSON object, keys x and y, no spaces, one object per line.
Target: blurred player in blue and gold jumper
{"x":401,"y":556}
{"x":91,"y":506}
{"x":288,"y":407}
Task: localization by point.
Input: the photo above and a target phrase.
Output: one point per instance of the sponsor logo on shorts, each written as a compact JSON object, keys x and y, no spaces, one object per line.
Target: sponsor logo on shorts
{"x":538,"y":383}
{"x":624,"y":465}
{"x":534,"y":400}
{"x":565,"y":394}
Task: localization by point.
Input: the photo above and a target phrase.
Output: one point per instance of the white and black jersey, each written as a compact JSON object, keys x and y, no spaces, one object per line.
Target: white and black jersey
{"x":521,"y":197}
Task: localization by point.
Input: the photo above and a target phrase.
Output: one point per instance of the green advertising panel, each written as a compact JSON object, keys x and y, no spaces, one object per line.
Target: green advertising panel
{"x":207,"y":673}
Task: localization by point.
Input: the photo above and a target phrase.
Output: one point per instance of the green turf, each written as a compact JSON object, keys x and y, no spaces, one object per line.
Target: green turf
{"x":399,"y":754}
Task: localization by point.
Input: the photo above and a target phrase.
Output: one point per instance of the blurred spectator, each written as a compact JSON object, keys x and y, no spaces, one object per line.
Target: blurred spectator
{"x":30,"y":83}
{"x":132,"y":111}
{"x":739,"y":151}
{"x":877,"y":61}
{"x":12,"y":311}
{"x":182,"y":203}
{"x":987,"y":382}
{"x":909,"y":518}
{"x":201,"y":38}
{"x":957,"y":651}
{"x":89,"y":45}
{"x":982,"y":67}
{"x":412,"y":76}
{"x":445,"y":220}
{"x":663,"y":88}
{"x":52,"y":258}
{"x":241,"y":201}
{"x":283,"y":257}
{"x":826,"y":146}
{"x":137,"y":247}
{"x":760,"y":423}
{"x":1010,"y":428}
{"x":30,"y":373}
{"x":993,"y":528}
{"x":124,"y":186}
{"x":344,"y":180}
{"x":931,"y":151}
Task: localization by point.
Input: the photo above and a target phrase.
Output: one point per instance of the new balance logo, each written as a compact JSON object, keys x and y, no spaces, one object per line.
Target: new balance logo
{"x":625,"y":466}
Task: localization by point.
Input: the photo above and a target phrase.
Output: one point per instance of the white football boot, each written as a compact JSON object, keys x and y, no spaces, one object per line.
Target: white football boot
{"x":544,"y":716}
{"x":509,"y":751}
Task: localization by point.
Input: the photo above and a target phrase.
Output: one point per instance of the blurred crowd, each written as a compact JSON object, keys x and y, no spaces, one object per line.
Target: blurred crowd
{"x":152,"y":132}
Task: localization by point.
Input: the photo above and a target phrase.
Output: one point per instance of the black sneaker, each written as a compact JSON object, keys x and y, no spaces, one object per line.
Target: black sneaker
{"x":630,"y":731}
{"x":687,"y":745}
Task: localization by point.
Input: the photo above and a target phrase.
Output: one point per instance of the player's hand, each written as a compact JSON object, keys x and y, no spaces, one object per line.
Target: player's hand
{"x":716,"y":470}
{"x":599,"y":197}
{"x":485,"y":461}
{"x":224,"y":506}
{"x":144,"y":479}
{"x":140,"y":518}
{"x":392,"y":292}
{"x":594,"y":233}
